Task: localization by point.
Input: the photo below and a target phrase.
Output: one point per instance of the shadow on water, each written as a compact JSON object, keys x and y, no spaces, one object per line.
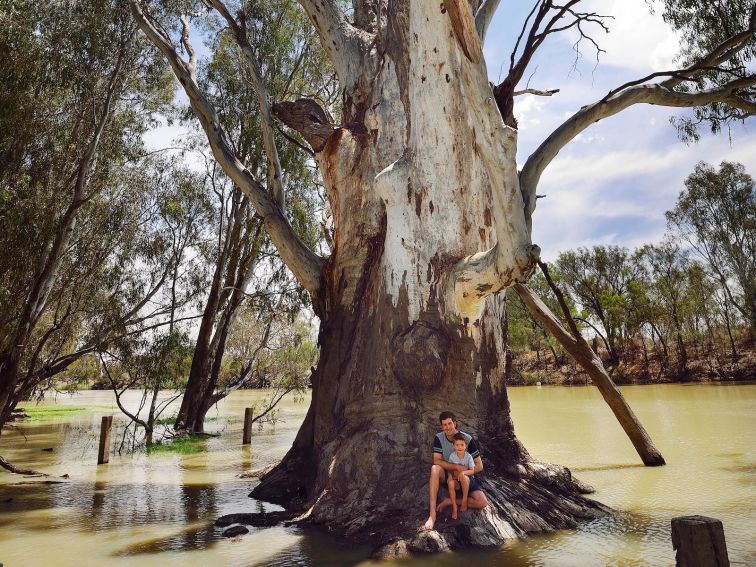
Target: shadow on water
{"x":317,"y":547}
{"x":314,"y":546}
{"x":191,"y":538}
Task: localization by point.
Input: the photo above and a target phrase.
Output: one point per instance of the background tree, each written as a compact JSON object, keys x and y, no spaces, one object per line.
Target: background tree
{"x":290,"y":65}
{"x":77,"y":96}
{"x":669,"y":272}
{"x":600,"y":280}
{"x":431,"y":221}
{"x":716,"y":215}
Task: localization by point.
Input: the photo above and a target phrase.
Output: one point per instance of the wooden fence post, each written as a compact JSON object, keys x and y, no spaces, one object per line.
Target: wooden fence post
{"x":699,"y":542}
{"x":103,"y":455}
{"x":247,"y":438}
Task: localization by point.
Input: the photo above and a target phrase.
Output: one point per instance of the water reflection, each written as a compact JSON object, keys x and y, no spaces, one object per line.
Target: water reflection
{"x":144,"y":509}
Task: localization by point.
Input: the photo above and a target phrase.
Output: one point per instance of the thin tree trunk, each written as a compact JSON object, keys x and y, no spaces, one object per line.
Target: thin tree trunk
{"x":729,"y":332}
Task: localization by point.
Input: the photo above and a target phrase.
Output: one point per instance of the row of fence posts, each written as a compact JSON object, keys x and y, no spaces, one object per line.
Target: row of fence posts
{"x":103,"y":453}
{"x":698,"y":541}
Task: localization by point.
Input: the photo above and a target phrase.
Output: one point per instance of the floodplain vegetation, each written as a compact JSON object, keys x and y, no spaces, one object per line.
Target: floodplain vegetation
{"x":353,"y":161}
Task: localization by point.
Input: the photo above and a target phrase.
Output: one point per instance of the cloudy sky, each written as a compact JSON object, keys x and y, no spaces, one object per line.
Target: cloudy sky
{"x":613,"y":183}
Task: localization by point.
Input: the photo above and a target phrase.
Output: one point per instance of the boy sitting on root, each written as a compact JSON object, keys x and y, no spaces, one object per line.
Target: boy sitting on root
{"x":463,"y":479}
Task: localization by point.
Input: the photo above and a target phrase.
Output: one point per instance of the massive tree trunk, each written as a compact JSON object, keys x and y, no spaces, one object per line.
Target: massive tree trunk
{"x":421,"y":174}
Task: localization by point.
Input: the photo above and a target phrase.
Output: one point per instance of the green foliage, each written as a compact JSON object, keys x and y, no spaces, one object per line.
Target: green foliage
{"x":716,"y":215}
{"x":39,"y":413}
{"x":702,"y":27}
{"x":600,"y":280}
{"x":183,"y":445}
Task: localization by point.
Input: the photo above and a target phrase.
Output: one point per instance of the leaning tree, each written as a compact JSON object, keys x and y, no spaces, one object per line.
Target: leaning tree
{"x":432,"y":220}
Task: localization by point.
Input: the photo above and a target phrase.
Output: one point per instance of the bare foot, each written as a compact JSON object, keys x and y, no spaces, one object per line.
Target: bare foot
{"x":454,"y":512}
{"x":445,"y":503}
{"x":463,"y":508}
{"x":428,"y":525}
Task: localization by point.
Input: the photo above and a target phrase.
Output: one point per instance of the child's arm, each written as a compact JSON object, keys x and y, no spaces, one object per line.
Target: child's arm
{"x":469,"y":466}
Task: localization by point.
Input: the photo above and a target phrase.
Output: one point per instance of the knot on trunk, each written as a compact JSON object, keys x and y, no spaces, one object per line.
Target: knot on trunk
{"x":308,"y":118}
{"x":421,"y":357}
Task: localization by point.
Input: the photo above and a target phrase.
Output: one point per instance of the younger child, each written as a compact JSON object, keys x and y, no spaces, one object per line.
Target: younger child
{"x":463,"y":478}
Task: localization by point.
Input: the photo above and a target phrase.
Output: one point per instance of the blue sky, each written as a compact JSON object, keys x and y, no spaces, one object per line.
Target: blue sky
{"x":613,"y":183}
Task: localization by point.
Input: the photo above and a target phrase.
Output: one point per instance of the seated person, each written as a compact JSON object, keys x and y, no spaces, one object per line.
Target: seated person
{"x":441,"y":468}
{"x":464,"y":479}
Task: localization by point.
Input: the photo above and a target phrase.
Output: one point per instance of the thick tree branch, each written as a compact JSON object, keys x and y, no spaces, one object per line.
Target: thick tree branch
{"x":582,"y":353}
{"x":343,"y":42}
{"x":303,"y":262}
{"x":647,"y":94}
{"x":484,"y":15}
{"x":275,"y":172}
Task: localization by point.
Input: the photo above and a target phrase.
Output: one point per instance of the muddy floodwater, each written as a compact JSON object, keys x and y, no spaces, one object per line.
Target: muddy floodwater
{"x":142,"y":510}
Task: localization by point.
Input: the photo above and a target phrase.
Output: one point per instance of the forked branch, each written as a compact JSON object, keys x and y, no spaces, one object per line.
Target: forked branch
{"x":546,"y":18}
{"x":343,"y":42}
{"x":275,"y":172}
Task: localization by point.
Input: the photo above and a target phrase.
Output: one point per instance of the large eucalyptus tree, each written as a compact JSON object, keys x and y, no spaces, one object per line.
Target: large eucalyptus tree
{"x":432,"y":220}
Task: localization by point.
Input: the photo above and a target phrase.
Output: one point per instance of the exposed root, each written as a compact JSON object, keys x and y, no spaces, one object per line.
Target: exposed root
{"x":257,"y":473}
{"x":258,"y":520}
{"x":18,"y":470}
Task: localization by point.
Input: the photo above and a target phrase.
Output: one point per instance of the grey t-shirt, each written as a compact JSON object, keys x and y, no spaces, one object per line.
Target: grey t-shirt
{"x":467,"y":460}
{"x":445,"y":447}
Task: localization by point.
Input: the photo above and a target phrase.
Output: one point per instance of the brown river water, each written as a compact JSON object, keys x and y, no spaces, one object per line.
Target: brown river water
{"x":158,"y":510}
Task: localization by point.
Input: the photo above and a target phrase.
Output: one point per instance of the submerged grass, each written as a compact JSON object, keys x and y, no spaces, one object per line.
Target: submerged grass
{"x":36,"y":413}
{"x":185,"y":445}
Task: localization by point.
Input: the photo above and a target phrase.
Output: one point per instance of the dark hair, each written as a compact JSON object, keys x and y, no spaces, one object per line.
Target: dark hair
{"x":446,"y":415}
{"x":460,"y":437}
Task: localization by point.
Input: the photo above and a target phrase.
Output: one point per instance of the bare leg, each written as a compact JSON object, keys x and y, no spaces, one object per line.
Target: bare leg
{"x":464,"y":480}
{"x":453,"y":496}
{"x":477,"y":500}
{"x":437,"y":475}
{"x":443,"y":505}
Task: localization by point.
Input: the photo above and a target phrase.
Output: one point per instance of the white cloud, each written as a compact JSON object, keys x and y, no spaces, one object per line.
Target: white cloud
{"x":637,"y":39}
{"x":620,"y":197}
{"x":528,"y":109}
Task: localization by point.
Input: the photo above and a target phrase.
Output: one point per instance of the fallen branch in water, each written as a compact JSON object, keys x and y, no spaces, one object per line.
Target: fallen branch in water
{"x":16,"y":470}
